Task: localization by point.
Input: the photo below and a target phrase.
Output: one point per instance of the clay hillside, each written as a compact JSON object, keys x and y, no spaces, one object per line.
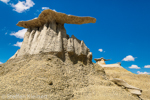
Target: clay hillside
{"x":51,"y":65}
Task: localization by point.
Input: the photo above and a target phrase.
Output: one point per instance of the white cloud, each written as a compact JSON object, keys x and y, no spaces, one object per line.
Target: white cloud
{"x":142,"y":72}
{"x":18,"y":44}
{"x":147,"y":66}
{"x":5,"y":1}
{"x":35,"y":17}
{"x":43,"y":8}
{"x":129,"y":58}
{"x":1,"y":63}
{"x":134,"y":67}
{"x":101,"y":50}
{"x":54,"y":10}
{"x":22,"y":6}
{"x":19,"y":34}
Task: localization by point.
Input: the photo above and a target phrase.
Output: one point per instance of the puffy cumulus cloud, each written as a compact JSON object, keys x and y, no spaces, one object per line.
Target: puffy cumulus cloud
{"x":129,"y":58}
{"x":19,"y":34}
{"x":147,"y":66}
{"x":134,"y":67}
{"x":142,"y":72}
{"x":43,"y":8}
{"x":18,"y":44}
{"x":101,"y":50}
{"x":5,"y":1}
{"x":22,"y":6}
{"x":1,"y":63}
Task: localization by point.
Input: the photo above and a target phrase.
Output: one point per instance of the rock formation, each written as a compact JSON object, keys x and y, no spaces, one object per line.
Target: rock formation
{"x":47,"y":75}
{"x":101,"y":62}
{"x":120,"y":82}
{"x":126,"y":80}
{"x":58,"y":67}
{"x":132,"y":89}
{"x":47,"y":34}
{"x":49,"y":16}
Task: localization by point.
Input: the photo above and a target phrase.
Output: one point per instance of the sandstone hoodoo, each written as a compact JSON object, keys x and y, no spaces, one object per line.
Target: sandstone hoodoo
{"x":46,"y":34}
{"x":58,"y":67}
{"x":101,"y":62}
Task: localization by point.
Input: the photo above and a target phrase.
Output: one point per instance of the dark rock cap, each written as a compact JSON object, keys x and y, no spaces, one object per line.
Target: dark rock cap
{"x":49,"y":15}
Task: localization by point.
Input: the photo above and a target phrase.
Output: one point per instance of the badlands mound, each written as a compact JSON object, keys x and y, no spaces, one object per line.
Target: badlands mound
{"x":47,"y":77}
{"x":51,"y":65}
{"x":141,"y":81}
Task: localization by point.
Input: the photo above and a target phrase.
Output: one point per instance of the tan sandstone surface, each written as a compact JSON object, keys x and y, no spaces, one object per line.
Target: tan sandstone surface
{"x":101,"y":62}
{"x":46,"y":74}
{"x":141,"y":81}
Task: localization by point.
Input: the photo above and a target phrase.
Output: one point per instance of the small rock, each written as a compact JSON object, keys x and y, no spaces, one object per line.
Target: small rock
{"x":48,"y":59}
{"x":51,"y":83}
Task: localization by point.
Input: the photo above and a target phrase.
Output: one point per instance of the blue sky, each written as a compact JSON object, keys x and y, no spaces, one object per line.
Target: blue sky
{"x":121,"y":32}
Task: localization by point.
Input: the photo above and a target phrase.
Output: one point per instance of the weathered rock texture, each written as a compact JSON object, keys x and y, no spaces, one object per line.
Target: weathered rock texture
{"x":51,"y":16}
{"x":47,"y":75}
{"x":49,"y":35}
{"x":140,"y":81}
{"x":132,"y":89}
{"x":101,"y":62}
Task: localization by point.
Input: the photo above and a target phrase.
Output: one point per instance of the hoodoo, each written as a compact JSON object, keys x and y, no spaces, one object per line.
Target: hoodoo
{"x":46,"y":34}
{"x":101,"y":62}
{"x":50,"y":65}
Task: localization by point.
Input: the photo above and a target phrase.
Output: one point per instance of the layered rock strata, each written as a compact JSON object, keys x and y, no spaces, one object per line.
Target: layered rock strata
{"x":130,"y":88}
{"x":52,"y":38}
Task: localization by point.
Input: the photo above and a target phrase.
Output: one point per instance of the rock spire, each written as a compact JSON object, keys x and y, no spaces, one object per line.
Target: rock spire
{"x":47,"y":34}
